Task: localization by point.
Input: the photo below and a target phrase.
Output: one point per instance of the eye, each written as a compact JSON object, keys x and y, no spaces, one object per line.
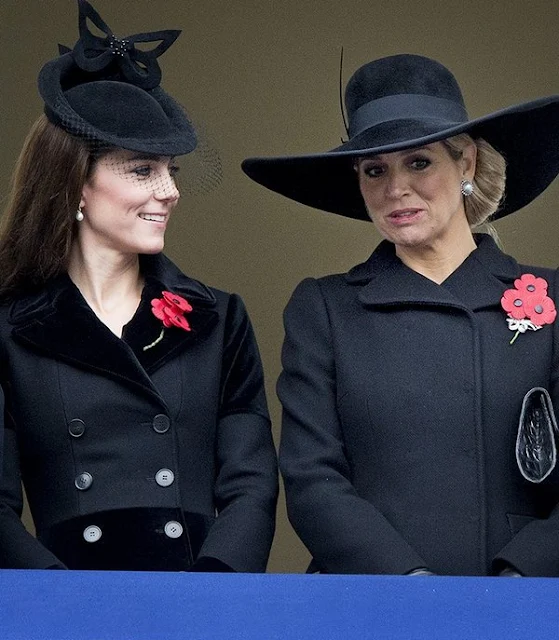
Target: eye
{"x":373,"y":170}
{"x":420,"y":163}
{"x":143,"y":171}
{"x":173,"y":170}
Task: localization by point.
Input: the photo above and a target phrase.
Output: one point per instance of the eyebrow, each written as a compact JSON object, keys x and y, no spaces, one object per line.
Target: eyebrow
{"x":425,"y":147}
{"x":150,"y":156}
{"x":144,"y":156}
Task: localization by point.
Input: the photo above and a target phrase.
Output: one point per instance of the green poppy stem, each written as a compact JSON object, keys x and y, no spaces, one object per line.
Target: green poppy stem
{"x":514,"y":337}
{"x":149,"y":346}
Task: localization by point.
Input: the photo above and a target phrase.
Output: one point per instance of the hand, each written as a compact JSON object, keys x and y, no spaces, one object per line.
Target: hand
{"x":509,"y":572}
{"x":421,"y":571}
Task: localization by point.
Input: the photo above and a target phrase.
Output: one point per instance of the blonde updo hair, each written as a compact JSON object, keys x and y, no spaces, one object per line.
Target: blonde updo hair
{"x":488,"y":182}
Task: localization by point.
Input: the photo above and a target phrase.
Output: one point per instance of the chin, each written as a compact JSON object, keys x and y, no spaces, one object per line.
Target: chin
{"x":153,"y":250}
{"x":152,"y":247}
{"x":407,"y":240}
{"x":410,"y":243}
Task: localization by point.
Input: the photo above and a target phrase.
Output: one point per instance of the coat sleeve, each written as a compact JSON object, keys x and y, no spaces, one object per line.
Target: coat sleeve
{"x":344,"y":532}
{"x":18,"y":548}
{"x":534,"y":550}
{"x":246,"y":483}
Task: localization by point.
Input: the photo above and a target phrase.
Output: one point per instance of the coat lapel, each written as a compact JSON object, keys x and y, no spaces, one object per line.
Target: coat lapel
{"x":484,"y":276}
{"x":479,"y":282}
{"x":145,"y":328}
{"x":59,"y":323}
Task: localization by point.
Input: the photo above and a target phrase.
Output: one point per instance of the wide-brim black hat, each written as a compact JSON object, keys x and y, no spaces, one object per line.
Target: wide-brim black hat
{"x":406,"y":101}
{"x":107,"y":92}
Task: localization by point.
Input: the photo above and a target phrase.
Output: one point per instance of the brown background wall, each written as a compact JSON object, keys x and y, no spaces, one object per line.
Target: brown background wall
{"x":263,"y":76}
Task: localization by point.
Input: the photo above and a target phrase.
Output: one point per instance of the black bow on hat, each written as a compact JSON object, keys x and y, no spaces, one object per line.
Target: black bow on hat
{"x":106,"y":91}
{"x":406,"y":101}
{"x":139,"y":67}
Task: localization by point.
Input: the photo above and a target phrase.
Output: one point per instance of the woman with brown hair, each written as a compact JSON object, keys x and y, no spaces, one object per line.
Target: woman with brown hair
{"x":418,"y":431}
{"x":136,"y":414}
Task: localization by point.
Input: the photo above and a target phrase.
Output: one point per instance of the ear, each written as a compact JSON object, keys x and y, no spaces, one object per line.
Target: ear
{"x":469,"y":159}
{"x":85,"y":194}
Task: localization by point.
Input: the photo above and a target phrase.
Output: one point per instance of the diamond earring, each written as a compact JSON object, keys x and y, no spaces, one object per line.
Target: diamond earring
{"x":466,"y":188}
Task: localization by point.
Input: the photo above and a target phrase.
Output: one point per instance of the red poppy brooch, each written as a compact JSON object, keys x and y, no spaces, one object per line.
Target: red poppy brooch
{"x":170,"y":309}
{"x":527,"y":305}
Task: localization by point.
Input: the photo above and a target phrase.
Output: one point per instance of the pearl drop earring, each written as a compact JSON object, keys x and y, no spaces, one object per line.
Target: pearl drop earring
{"x":466,"y":188}
{"x":79,"y":214}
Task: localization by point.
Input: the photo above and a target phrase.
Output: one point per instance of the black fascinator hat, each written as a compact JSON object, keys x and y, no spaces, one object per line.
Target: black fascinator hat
{"x":106,"y":91}
{"x":406,"y":101}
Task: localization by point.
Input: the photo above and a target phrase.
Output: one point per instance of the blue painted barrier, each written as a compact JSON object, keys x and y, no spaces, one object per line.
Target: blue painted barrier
{"x":92,"y":605}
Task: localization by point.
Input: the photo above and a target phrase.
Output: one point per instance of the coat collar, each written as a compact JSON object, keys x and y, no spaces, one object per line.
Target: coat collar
{"x":478,"y":282}
{"x":58,"y":322}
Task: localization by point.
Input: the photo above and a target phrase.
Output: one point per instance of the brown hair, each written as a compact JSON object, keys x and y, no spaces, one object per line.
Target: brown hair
{"x":488,"y":182}
{"x":38,"y":225}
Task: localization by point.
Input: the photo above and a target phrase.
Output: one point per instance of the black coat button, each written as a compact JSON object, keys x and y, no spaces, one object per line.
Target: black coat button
{"x":83,"y":481}
{"x":161,"y":423}
{"x":76,"y":427}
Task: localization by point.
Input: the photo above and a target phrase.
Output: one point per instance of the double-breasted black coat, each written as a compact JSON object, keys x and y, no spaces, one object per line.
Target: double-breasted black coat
{"x":135,"y":459}
{"x":401,"y":404}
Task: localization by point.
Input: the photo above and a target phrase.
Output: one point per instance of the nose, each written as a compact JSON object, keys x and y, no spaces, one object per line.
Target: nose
{"x":396,"y":184}
{"x":165,"y":188}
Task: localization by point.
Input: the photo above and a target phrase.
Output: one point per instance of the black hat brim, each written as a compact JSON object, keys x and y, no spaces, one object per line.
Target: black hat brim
{"x":174,"y":135}
{"x":527,"y":135}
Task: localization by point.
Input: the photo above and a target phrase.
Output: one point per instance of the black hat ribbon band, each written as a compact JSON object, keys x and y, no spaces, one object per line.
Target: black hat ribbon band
{"x":403,"y":107}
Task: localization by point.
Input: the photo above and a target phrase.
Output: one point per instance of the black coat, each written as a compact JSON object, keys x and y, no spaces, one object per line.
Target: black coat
{"x":401,"y":405}
{"x":120,"y":450}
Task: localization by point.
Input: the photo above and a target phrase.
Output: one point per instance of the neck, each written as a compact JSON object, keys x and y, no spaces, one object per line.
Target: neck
{"x":110,"y":283}
{"x":439,"y":261}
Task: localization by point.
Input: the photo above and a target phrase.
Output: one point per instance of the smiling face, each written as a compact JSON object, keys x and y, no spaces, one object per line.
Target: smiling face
{"x":413,"y":196}
{"x":127,"y":201}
